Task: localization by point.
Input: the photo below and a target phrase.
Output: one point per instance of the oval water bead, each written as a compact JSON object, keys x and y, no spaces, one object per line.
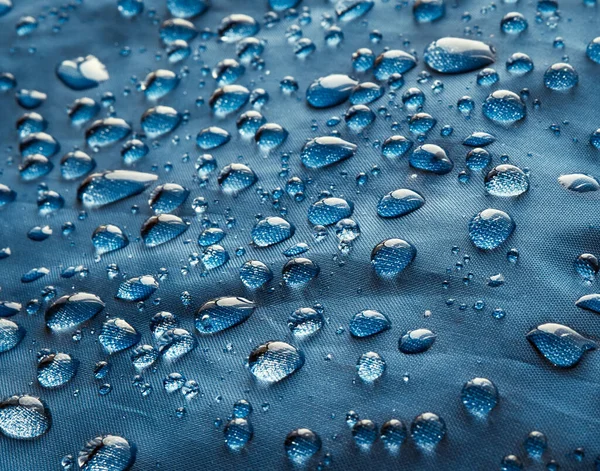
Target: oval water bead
{"x":214,"y":256}
{"x":428,"y":11}
{"x":427,"y":430}
{"x":83,"y":110}
{"x":7,"y":195}
{"x":117,"y":335}
{"x":506,"y":180}
{"x":35,"y":166}
{"x":107,"y":453}
{"x":393,"y":61}
{"x":399,"y":203}
{"x":24,"y":417}
{"x":590,"y":302}
{"x":163,"y":228}
{"x":249,"y":123}
{"x":30,"y":99}
{"x":56,"y":369}
{"x":159,"y":83}
{"x":364,"y":433}
{"x":586,"y":265}
{"x":175,"y":29}
{"x":228,"y":99}
{"x":519,"y":64}
{"x":31,"y":123}
{"x":249,"y":49}
{"x":416,"y":341}
{"x":561,"y":77}
{"x":212,"y":137}
{"x":348,"y":10}
{"x":451,"y":55}
{"x":370,"y":367}
{"x":138,"y":288}
{"x":330,"y":210}
{"x":188,"y":8}
{"x":324,"y":151}
{"x":107,"y":131}
{"x":363,"y":59}
{"x":301,"y":445}
{"x":305,"y":321}
{"x":304,"y":47}
{"x":255,"y":274}
{"x":76,"y":164}
{"x":504,"y":107}
{"x":237,"y":26}
{"x":395,"y":146}
{"x":579,"y":182}
{"x":130,"y":8}
{"x":511,"y":463}
{"x":479,"y":396}
{"x":167,"y":198}
{"x":366,"y":92}
{"x":535,"y":444}
{"x":143,"y":356}
{"x":513,"y":23}
{"x":479,"y":139}
{"x":390,"y":257}
{"x":9,"y":308}
{"x":223,"y":313}
{"x":82,"y":73}
{"x":39,"y":143}
{"x":478,"y":159}
{"x":210,"y":236}
{"x":160,"y":120}
{"x":431,"y":158}
{"x":236,"y":177}
{"x":368,"y":323}
{"x":238,"y":432}
{"x":358,"y":118}
{"x":559,"y":344}
{"x":271,"y":230}
{"x":11,"y":334}
{"x":72,"y":310}
{"x":275,"y":360}
{"x":489,"y":228}
{"x":108,"y":238}
{"x":299,"y":271}
{"x":393,"y":434}
{"x":593,"y":50}
{"x":270,"y":136}
{"x":133,"y":151}
{"x":330,"y":90}
{"x":175,"y":343}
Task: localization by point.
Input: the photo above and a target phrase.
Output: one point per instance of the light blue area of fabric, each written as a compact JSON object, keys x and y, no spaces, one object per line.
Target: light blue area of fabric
{"x":553,"y":226}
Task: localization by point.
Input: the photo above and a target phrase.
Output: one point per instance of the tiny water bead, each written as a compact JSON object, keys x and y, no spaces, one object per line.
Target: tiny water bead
{"x":504,"y":107}
{"x":457,"y":55}
{"x":506,"y":181}
{"x":416,"y":341}
{"x":107,"y":452}
{"x":399,"y":203}
{"x":275,"y":360}
{"x":305,"y":321}
{"x":479,"y":396}
{"x":24,"y":417}
{"x":390,"y":257}
{"x":370,"y":366}
{"x":223,"y":313}
{"x":368,"y":323}
{"x":301,"y":445}
{"x":560,"y":77}
{"x":559,"y":344}
{"x":427,"y":430}
{"x":490,"y":228}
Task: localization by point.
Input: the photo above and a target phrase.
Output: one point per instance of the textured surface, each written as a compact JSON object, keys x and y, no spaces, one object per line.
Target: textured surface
{"x":554,"y":226}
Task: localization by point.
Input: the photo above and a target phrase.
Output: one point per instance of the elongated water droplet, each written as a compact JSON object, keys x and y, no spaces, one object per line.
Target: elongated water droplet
{"x":24,"y":417}
{"x":100,"y":189}
{"x":271,"y":231}
{"x":330,"y":90}
{"x":107,"y":453}
{"x":579,"y":182}
{"x":327,"y":150}
{"x":416,"y":341}
{"x":82,"y":73}
{"x":431,"y":158}
{"x":69,"y":311}
{"x":222,"y":313}
{"x":369,"y":322}
{"x":399,"y":203}
{"x":138,"y":288}
{"x":107,"y":131}
{"x":458,"y":55}
{"x":559,"y":344}
{"x":163,"y":228}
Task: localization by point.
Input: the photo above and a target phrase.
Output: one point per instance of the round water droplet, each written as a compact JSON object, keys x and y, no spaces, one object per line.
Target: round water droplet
{"x":299,"y":271}
{"x":167,"y":198}
{"x":513,"y":23}
{"x":235,"y":177}
{"x":393,"y":434}
{"x":506,"y":180}
{"x":427,"y":430}
{"x":305,"y":321}
{"x":255,"y":274}
{"x":163,"y":228}
{"x":228,"y":99}
{"x":504,"y":107}
{"x":479,"y":396}
{"x":490,"y":228}
{"x":393,"y":61}
{"x":175,"y":343}
{"x":369,"y":322}
{"x":107,"y":453}
{"x":107,"y":131}
{"x":370,"y":366}
{"x":271,"y":231}
{"x":76,"y":164}
{"x":395,"y":147}
{"x":11,"y":334}
{"x":160,"y":120}
{"x":301,"y":445}
{"x":391,"y":256}
{"x":238,"y":432}
{"x":365,"y":433}
{"x":24,"y":417}
{"x":55,"y":369}
{"x":561,"y":76}
{"x":586,"y":265}
{"x":138,"y":288}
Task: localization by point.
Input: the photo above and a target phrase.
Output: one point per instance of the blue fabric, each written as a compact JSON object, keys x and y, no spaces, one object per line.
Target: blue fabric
{"x":553,"y":226}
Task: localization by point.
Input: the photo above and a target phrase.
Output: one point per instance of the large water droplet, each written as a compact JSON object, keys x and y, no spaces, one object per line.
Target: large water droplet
{"x":504,"y":107}
{"x":369,"y":322}
{"x":160,"y":120}
{"x":590,"y":302}
{"x":163,"y":228}
{"x":330,"y":210}
{"x":399,"y":203}
{"x":579,"y":182}
{"x":393,"y":61}
{"x":24,"y":417}
{"x":330,"y":90}
{"x":327,"y":150}
{"x":391,"y":256}
{"x":236,"y":177}
{"x":76,"y":164}
{"x":506,"y":180}
{"x":560,"y":77}
{"x":489,"y":228}
{"x":393,"y":434}
{"x":100,"y":189}
{"x":82,"y":73}
{"x":11,"y":334}
{"x":138,"y":288}
{"x":228,"y":99}
{"x":559,"y":344}
{"x":117,"y":335}
{"x":299,"y":271}
{"x":458,"y":55}
{"x":107,"y":131}
{"x":107,"y":238}
{"x":222,"y":313}
{"x":348,"y":10}
{"x":107,"y":453}
{"x":159,"y":83}
{"x":175,"y":343}
{"x":238,"y":432}
{"x":72,"y":310}
{"x":274,"y":361}
{"x":255,"y":274}
{"x":55,"y":369}
{"x":370,"y":366}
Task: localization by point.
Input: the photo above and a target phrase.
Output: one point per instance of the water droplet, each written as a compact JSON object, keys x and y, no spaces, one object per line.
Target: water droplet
{"x":416,"y":341}
{"x":391,"y":256}
{"x":11,"y":334}
{"x":305,"y":321}
{"x":590,"y":302}
{"x":560,"y":345}
{"x":82,"y":73}
{"x":274,"y":361}
{"x":238,"y":432}
{"x":428,"y":11}
{"x":586,"y":265}
{"x":427,"y":430}
{"x":222,"y":313}
{"x":160,"y":120}
{"x":328,"y":211}
{"x":399,"y":203}
{"x":579,"y":182}
{"x":299,"y":271}
{"x":479,"y":396}
{"x":504,"y":107}
{"x":330,"y":90}
{"x":117,"y":335}
{"x":24,"y":417}
{"x":513,"y":23}
{"x":301,"y":445}
{"x":489,"y":228}
{"x":228,"y":99}
{"x":107,"y":238}
{"x":506,"y":180}
{"x":187,"y":8}
{"x":235,"y":177}
{"x":458,"y":55}
{"x":393,"y":434}
{"x":107,"y":131}
{"x":348,"y":10}
{"x":368,"y":323}
{"x":107,"y":453}
{"x":138,"y":288}
{"x":324,"y":151}
{"x":69,"y":311}
{"x":55,"y":369}
{"x":237,"y":26}
{"x":163,"y":228}
{"x":393,"y":61}
{"x":365,"y":433}
{"x":395,"y":147}
{"x":100,"y":189}
{"x":370,"y":366}
{"x":535,"y":444}
{"x":175,"y":343}
{"x":561,"y":76}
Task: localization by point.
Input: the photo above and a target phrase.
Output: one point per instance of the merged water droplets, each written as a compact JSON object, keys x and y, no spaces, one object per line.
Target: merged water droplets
{"x":222,"y":313}
{"x":82,"y":73}
{"x":24,"y":417}
{"x":275,"y":360}
{"x":559,"y":344}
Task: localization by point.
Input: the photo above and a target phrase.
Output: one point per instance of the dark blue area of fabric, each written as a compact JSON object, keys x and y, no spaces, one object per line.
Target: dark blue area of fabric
{"x":553,"y":226}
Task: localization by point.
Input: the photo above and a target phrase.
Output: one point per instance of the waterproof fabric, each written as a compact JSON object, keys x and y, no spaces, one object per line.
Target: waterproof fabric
{"x":553,"y":226}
